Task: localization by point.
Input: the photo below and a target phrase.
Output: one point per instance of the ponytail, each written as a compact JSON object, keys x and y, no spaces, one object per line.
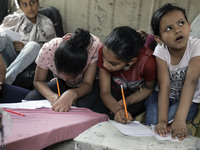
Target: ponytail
{"x":71,"y":56}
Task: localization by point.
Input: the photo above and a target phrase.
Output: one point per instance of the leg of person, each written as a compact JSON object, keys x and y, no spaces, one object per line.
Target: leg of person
{"x":7,"y":49}
{"x":151,"y":106}
{"x":90,"y":99}
{"x":136,"y":108}
{"x":101,"y":108}
{"x":173,"y":108}
{"x":35,"y":95}
{"x":12,"y":94}
{"x":26,"y":56}
{"x":192,"y":112}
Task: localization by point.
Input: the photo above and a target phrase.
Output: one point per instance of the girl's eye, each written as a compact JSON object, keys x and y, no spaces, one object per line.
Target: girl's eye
{"x":113,"y":64}
{"x":181,"y":23}
{"x":32,"y":2}
{"x":168,"y":29}
{"x":24,"y":4}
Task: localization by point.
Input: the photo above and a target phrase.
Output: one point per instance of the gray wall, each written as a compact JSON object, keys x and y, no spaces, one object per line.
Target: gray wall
{"x":101,"y":16}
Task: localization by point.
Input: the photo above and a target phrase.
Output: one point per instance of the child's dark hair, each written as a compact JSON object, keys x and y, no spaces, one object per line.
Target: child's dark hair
{"x":157,"y":16}
{"x":18,"y":1}
{"x":125,"y":42}
{"x":71,"y":56}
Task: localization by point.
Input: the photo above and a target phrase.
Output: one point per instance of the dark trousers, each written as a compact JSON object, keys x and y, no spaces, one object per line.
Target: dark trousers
{"x":134,"y":109}
{"x":12,"y":94}
{"x":86,"y":101}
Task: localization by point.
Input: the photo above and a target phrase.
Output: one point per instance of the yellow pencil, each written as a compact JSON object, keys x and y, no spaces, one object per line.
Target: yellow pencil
{"x":58,"y":87}
{"x":124,"y":101}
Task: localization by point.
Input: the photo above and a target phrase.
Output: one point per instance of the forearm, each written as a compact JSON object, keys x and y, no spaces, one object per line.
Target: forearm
{"x":110,"y":102}
{"x":2,"y":76}
{"x":163,"y":105}
{"x":185,"y":100}
{"x":138,"y":96}
{"x":43,"y":88}
{"x":2,"y":70}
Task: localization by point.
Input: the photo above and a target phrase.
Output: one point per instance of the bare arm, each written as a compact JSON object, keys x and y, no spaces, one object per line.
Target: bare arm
{"x":179,"y":128}
{"x":65,"y":101}
{"x":163,"y":97}
{"x":109,"y":101}
{"x":141,"y":94}
{"x":105,"y":91}
{"x":41,"y":85}
{"x":2,"y":71}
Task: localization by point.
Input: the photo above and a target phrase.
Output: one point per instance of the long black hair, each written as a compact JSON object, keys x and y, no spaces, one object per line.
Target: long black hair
{"x":125,"y":42}
{"x":71,"y":56}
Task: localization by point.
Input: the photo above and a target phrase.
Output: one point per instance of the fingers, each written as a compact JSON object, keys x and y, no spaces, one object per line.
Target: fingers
{"x":59,"y":108}
{"x":18,"y":45}
{"x":161,"y":129}
{"x":121,"y":117}
{"x":180,"y":134}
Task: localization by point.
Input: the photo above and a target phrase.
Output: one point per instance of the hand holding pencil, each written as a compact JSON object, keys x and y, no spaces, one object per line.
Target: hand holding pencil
{"x":123,"y":116}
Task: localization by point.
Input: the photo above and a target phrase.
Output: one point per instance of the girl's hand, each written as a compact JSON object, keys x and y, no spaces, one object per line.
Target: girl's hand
{"x":64,"y":103}
{"x":18,"y":45}
{"x":54,"y":98}
{"x":121,"y":103}
{"x":179,"y":129}
{"x":120,"y":116}
{"x":162,"y":128}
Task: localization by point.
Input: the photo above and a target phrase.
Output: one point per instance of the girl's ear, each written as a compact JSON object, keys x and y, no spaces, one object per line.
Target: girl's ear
{"x":189,"y":26}
{"x":158,"y":39}
{"x":132,"y":61}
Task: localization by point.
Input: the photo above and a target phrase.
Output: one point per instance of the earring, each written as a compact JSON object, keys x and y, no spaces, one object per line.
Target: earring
{"x":127,"y":67}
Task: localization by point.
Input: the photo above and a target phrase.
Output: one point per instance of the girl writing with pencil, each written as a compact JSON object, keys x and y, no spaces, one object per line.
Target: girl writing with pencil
{"x":123,"y":60}
{"x":73,"y":60}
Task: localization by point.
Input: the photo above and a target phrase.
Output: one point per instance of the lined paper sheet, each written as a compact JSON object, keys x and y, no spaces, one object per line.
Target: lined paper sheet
{"x":137,"y":129}
{"x":134,"y":128}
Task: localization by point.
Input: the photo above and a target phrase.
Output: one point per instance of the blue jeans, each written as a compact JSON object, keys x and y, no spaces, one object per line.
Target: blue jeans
{"x":14,"y":61}
{"x":151,"y":106}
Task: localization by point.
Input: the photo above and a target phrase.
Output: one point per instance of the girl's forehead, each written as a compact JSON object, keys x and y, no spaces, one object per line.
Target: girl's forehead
{"x":108,"y":53}
{"x":26,"y":1}
{"x":172,"y":16}
{"x":110,"y":56}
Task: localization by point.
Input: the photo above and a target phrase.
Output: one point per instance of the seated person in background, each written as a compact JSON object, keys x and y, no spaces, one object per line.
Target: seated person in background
{"x":123,"y":60}
{"x":36,"y":29}
{"x":149,"y":39}
{"x":73,"y":60}
{"x":9,"y":93}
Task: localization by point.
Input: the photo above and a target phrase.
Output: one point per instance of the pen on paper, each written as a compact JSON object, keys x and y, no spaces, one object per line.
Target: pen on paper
{"x":14,"y":112}
{"x":124,"y":101}
{"x":58,"y":87}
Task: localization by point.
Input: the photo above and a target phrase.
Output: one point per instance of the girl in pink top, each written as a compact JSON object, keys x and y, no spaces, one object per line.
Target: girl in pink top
{"x":73,"y":60}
